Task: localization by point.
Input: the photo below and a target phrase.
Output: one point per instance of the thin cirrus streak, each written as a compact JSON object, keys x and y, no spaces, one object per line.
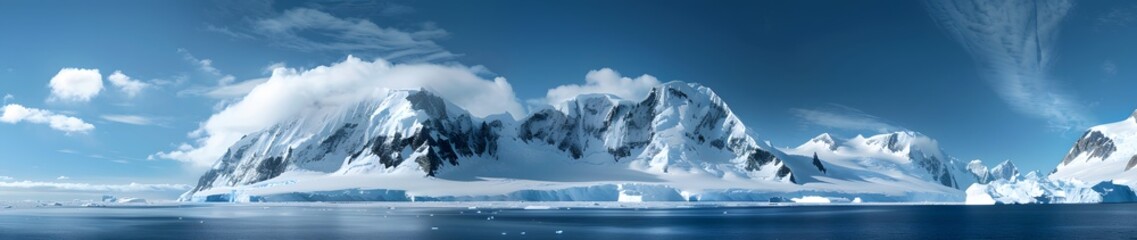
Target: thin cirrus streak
{"x":1013,"y":44}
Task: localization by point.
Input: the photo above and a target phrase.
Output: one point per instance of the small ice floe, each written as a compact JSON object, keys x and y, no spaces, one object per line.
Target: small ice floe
{"x":434,"y":228}
{"x":489,"y":218}
{"x":560,"y":231}
{"x":472,"y":208}
{"x":503,"y":233}
{"x":811,"y":200}
{"x":522,"y":233}
{"x":538,"y":207}
{"x":92,"y":205}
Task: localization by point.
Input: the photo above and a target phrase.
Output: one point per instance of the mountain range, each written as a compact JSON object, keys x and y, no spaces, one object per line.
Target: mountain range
{"x":680,"y":143}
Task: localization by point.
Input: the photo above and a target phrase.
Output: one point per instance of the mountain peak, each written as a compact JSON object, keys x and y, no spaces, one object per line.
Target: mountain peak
{"x":901,"y":140}
{"x":825,"y":139}
{"x":1006,"y":170}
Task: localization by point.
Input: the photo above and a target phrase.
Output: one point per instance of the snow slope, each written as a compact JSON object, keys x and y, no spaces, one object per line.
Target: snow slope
{"x":1104,"y":153}
{"x":899,"y":162}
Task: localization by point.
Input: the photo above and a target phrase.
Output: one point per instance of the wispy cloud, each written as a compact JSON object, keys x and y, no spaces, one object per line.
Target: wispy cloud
{"x":1118,"y":17}
{"x":62,"y":178}
{"x":130,"y":119}
{"x":844,"y":118}
{"x":206,"y":65}
{"x":1013,"y":44}
{"x":1109,"y":68}
{"x":15,"y":113}
{"x":317,"y":28}
{"x":132,"y":187}
{"x":6,"y":178}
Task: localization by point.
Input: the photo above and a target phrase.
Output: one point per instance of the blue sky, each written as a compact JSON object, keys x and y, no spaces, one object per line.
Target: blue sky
{"x":789,"y":69}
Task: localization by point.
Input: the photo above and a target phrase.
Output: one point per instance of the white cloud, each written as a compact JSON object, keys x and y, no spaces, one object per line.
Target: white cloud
{"x":6,"y":178}
{"x":844,"y":118}
{"x":76,"y":84}
{"x":8,"y":97}
{"x":132,"y":187}
{"x":15,"y":113}
{"x":605,"y":81}
{"x":127,"y":85}
{"x":290,"y":92}
{"x":1013,"y":43}
{"x":129,"y":119}
{"x":314,"y":30}
{"x":62,"y":178}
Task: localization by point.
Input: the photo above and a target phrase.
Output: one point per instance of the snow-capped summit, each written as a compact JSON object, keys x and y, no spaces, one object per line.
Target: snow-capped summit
{"x":825,"y":140}
{"x":1104,"y":152}
{"x":979,"y":170}
{"x":1004,"y":171}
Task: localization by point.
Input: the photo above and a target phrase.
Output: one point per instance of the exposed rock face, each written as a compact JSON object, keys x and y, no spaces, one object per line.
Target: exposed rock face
{"x":1093,"y":143}
{"x":817,"y":163}
{"x":1132,"y":162}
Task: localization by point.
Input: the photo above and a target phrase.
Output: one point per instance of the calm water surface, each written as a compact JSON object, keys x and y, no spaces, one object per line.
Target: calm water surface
{"x":1109,"y":221}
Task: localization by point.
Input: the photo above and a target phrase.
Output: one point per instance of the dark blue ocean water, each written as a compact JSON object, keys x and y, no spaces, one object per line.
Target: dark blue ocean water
{"x":1108,"y":221}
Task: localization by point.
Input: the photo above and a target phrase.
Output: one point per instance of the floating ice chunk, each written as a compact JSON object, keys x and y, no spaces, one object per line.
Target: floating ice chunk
{"x":434,"y":228}
{"x":538,"y":207}
{"x":811,"y":200}
{"x":560,"y":231}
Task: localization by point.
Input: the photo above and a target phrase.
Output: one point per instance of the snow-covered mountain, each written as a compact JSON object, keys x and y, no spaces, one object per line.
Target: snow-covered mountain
{"x":680,"y":143}
{"x":1098,"y":168}
{"x":681,"y":138}
{"x":905,"y":159}
{"x":1105,"y":152}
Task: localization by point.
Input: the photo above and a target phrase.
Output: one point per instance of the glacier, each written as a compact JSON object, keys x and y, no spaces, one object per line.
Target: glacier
{"x":1035,"y":189}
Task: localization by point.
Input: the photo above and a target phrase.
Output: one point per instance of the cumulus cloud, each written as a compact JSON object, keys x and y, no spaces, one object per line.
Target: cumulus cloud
{"x":310,"y":29}
{"x":15,"y":113}
{"x":129,"y":119}
{"x":290,"y":92}
{"x":76,"y":84}
{"x":6,"y":178}
{"x":126,"y":84}
{"x":1013,"y":43}
{"x":8,"y":97}
{"x":62,"y":178}
{"x":132,"y":187}
{"x":607,"y":81}
{"x":844,"y":118}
